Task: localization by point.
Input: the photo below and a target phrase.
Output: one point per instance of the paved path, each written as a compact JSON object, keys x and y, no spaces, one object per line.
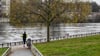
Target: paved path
{"x":20,"y":51}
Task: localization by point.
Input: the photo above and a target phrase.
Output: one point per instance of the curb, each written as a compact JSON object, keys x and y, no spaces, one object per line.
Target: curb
{"x":7,"y":52}
{"x":35,"y":51}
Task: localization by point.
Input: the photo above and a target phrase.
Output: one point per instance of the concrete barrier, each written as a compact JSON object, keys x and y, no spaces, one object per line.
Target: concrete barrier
{"x":35,"y":51}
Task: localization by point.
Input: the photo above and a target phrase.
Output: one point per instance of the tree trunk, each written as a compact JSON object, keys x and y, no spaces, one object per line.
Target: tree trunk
{"x":48,"y":33}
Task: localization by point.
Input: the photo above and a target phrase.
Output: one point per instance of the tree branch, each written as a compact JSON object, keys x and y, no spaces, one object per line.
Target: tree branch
{"x":43,"y":17}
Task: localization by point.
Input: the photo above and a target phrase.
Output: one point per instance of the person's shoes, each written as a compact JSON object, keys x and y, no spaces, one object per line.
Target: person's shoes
{"x":23,"y":45}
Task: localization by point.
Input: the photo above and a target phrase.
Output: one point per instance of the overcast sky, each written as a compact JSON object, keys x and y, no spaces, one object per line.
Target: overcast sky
{"x":97,"y":1}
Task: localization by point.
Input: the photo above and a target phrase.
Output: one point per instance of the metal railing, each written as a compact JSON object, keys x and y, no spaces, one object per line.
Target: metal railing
{"x":64,"y":37}
{"x":45,"y":39}
{"x":35,"y":51}
{"x":10,"y":44}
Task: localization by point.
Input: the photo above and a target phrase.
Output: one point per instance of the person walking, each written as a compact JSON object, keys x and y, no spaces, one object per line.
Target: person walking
{"x":24,"y":38}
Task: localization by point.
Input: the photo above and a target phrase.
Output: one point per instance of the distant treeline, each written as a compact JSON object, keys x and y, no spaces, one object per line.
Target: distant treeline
{"x":95,"y":7}
{"x":95,"y":19}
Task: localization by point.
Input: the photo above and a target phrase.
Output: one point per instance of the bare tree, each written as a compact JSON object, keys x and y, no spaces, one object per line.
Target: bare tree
{"x":48,"y":11}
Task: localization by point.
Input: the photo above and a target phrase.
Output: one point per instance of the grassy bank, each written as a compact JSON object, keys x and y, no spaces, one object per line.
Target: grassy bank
{"x":86,"y":46}
{"x":2,"y":50}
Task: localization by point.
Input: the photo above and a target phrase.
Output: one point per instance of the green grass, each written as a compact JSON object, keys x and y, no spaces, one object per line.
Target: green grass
{"x":86,"y":46}
{"x":2,"y":50}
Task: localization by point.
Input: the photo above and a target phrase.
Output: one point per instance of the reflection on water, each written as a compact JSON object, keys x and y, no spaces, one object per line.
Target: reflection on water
{"x":9,"y":33}
{"x":2,"y":27}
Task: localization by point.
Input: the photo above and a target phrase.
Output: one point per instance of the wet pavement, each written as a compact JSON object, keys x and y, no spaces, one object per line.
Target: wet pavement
{"x":20,"y":51}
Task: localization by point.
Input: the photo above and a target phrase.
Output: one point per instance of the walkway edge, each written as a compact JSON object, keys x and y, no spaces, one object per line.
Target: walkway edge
{"x":35,"y":51}
{"x":7,"y":52}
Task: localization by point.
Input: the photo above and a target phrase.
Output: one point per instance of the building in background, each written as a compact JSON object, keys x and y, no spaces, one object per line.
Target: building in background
{"x":0,"y":9}
{"x":4,"y":10}
{"x":5,"y":7}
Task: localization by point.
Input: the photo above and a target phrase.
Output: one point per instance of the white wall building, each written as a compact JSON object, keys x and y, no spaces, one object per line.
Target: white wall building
{"x":5,"y":6}
{"x":4,"y":10}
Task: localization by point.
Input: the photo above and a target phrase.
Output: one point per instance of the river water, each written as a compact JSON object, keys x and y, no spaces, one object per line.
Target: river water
{"x":9,"y":33}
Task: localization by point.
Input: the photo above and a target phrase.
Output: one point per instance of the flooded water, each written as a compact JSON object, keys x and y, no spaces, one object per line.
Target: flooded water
{"x":9,"y":33}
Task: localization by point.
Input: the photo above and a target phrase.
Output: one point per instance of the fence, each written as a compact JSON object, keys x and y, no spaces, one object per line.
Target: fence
{"x":45,"y":39}
{"x":64,"y":37}
{"x":36,"y":52}
{"x":11,"y":44}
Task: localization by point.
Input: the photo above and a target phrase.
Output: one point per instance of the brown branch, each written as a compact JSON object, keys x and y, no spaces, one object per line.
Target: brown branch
{"x":43,"y":17}
{"x":57,"y":15}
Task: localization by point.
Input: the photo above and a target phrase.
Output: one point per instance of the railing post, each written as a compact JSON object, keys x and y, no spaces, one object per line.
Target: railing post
{"x":50,"y":39}
{"x":40,"y":40}
{"x":2,"y":45}
{"x":18,"y":43}
{"x":58,"y":38}
{"x":45,"y":40}
{"x":36,"y":41}
{"x":10,"y":44}
{"x":15,"y":43}
{"x":53,"y":38}
{"x":63,"y":37}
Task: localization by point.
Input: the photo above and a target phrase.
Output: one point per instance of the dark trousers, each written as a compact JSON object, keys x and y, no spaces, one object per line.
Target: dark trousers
{"x":24,"y":41}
